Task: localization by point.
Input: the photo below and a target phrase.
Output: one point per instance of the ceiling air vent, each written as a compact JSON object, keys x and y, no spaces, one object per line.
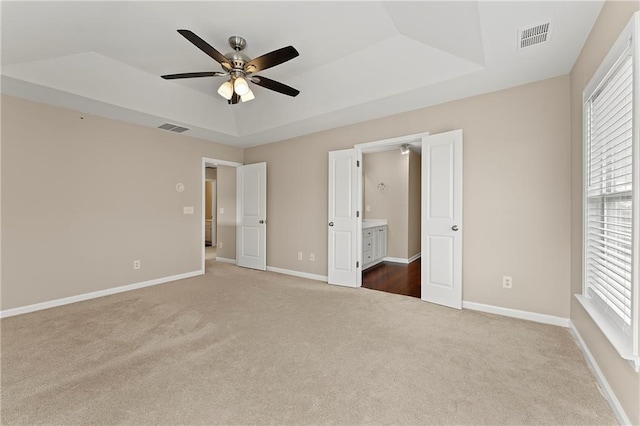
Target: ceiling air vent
{"x":534,"y":35}
{"x":173,"y":128}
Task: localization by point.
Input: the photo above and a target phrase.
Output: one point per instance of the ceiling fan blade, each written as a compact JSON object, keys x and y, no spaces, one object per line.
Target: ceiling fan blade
{"x":235,"y":98}
{"x":206,"y":48}
{"x":193,"y":74}
{"x":276,"y":86}
{"x":271,"y":59}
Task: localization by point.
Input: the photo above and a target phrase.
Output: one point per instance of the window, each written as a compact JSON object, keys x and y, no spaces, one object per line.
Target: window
{"x":612,"y":195}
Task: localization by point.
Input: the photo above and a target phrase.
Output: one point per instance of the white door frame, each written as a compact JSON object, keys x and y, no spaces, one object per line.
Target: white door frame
{"x":377,"y":146}
{"x":211,"y":162}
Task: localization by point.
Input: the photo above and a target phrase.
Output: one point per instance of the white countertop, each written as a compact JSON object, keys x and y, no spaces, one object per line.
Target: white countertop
{"x":371,"y":223}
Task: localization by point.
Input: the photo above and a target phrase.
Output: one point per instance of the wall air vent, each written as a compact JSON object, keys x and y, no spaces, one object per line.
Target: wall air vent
{"x":173,"y":128}
{"x":534,"y":35}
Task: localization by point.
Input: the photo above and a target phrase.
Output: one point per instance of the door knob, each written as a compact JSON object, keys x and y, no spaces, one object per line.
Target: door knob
{"x":263,"y":221}
{"x":330,"y":223}
{"x":454,"y":228}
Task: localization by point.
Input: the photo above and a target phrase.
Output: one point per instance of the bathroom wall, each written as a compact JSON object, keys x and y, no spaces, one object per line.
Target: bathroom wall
{"x":386,"y":192}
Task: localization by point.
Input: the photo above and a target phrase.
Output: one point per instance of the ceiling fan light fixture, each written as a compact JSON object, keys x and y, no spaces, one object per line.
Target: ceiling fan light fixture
{"x":247,"y":96}
{"x":226,"y":90}
{"x":241,"y":86}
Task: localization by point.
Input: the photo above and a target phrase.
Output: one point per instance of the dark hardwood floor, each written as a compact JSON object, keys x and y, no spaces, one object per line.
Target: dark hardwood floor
{"x":394,"y":278}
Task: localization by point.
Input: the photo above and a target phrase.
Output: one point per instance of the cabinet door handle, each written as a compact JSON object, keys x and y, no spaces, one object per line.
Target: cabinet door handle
{"x":330,"y":223}
{"x":454,"y":228}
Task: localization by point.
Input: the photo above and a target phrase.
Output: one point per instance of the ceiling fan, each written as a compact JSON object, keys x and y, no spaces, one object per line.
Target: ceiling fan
{"x":239,"y":68}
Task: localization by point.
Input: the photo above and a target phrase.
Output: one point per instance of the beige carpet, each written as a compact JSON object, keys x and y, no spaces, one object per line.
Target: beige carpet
{"x":237,"y":346}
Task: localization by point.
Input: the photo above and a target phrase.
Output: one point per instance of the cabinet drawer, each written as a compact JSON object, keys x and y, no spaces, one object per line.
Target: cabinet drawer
{"x":366,"y":244}
{"x":367,"y":257}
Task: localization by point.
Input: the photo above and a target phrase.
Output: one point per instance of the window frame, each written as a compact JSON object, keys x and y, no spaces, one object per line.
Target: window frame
{"x":625,"y":344}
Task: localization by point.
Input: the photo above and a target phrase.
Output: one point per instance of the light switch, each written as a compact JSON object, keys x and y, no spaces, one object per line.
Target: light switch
{"x":188,"y":210}
{"x":221,"y":210}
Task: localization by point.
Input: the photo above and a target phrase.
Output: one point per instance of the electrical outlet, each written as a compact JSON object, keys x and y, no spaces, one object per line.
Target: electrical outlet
{"x":221,"y":210}
{"x":507,"y":282}
{"x":136,"y":264}
{"x":312,"y":257}
{"x":299,"y":255}
{"x":187,"y":210}
{"x":368,"y":208}
{"x":219,"y":244}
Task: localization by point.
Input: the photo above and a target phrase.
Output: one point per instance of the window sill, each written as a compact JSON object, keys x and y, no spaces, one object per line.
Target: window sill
{"x":622,"y":344}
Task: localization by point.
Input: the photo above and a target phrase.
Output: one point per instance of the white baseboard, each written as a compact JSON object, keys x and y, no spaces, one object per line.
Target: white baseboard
{"x":515,"y":313}
{"x":618,"y":411}
{"x":225,"y":260}
{"x":94,"y":294}
{"x":395,"y":260}
{"x":297,"y":273}
{"x":401,"y":259}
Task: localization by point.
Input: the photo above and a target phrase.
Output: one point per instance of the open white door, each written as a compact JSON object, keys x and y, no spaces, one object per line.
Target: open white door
{"x":251,"y":232}
{"x":442,"y":219}
{"x":343,"y":217}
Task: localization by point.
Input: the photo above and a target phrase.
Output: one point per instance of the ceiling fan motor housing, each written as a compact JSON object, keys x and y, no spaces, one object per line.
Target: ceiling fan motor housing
{"x":237,"y":59}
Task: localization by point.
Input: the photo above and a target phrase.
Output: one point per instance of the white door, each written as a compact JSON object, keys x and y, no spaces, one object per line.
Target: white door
{"x":251,"y":232}
{"x":442,"y":219}
{"x":343,"y":218}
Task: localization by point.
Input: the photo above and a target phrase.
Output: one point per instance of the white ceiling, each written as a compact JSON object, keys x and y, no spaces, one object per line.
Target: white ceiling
{"x":358,"y":60}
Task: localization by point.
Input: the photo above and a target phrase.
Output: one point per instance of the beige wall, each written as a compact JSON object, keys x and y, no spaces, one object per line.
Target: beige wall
{"x":210,"y":173}
{"x":85,"y":197}
{"x":415,"y":196}
{"x":618,"y":372}
{"x":516,"y":191}
{"x":390,"y":168}
{"x":227,"y":220}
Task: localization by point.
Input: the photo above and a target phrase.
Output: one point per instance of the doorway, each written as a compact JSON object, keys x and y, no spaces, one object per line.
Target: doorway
{"x":391,"y":196}
{"x":440,"y":215}
{"x":218,"y":206}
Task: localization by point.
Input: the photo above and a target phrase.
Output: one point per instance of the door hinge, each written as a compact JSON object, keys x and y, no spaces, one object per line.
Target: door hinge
{"x":358,"y":213}
{"x":357,"y":163}
{"x":357,"y":264}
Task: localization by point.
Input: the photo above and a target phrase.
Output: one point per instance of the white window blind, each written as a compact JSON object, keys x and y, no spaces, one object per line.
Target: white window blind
{"x":609,"y":216}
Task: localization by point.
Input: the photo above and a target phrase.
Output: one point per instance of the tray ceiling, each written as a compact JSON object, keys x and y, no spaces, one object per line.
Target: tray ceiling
{"x":358,"y":60}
